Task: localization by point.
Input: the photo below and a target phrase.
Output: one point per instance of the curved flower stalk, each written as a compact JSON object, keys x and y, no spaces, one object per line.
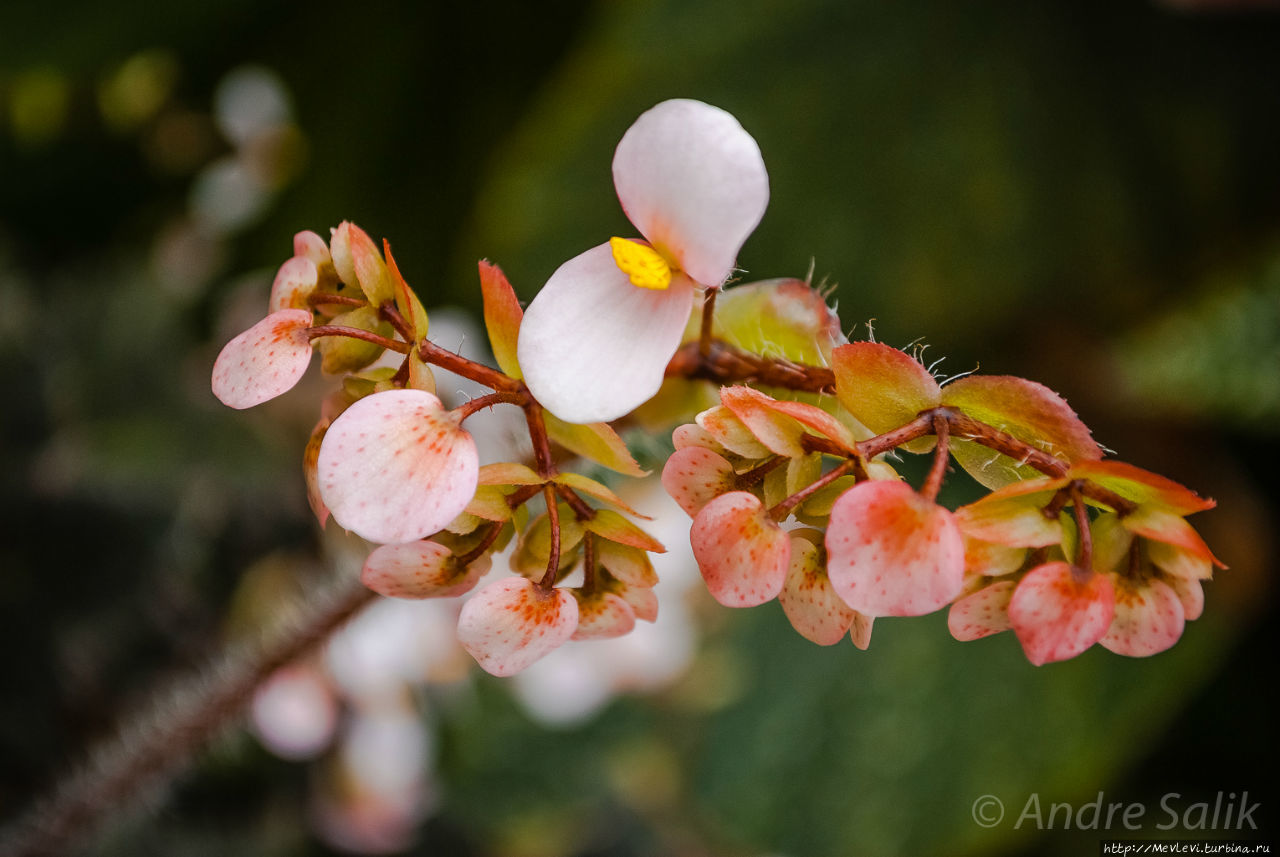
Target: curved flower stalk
{"x":597,"y":338}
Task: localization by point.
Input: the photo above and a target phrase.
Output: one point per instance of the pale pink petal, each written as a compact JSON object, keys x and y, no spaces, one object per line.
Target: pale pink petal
{"x":694,"y":476}
{"x":860,"y":631}
{"x":266,"y":360}
{"x":513,"y":622}
{"x":743,"y":554}
{"x":982,"y":613}
{"x":692,"y":434}
{"x":603,"y":615}
{"x":693,"y":182}
{"x":1058,"y":612}
{"x":593,"y":346}
{"x":1148,"y":618}
{"x":396,"y":466}
{"x":811,"y":605}
{"x":294,"y":283}
{"x":1191,"y":594}
{"x":643,"y":601}
{"x":891,"y":552}
{"x":420,"y":569}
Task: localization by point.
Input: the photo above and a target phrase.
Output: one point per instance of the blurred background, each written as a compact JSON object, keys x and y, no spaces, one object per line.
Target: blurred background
{"x":1084,"y":193}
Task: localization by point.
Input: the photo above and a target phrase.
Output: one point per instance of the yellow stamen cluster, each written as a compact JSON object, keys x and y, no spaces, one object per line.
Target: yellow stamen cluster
{"x":644,"y":265}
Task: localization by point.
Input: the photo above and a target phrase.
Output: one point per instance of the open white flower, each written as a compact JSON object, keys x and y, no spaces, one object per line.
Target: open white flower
{"x":596,"y":340}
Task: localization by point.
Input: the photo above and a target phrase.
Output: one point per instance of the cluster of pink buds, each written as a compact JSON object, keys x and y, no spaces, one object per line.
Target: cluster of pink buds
{"x":790,"y":491}
{"x":794,"y":501}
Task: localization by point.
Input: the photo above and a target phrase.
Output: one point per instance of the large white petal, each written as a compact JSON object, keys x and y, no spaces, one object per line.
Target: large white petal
{"x":593,"y":346}
{"x":693,"y":182}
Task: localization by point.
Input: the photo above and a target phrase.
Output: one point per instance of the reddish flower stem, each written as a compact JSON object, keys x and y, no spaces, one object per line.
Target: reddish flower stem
{"x":588,"y":563}
{"x":522,"y":495}
{"x":1084,"y":548}
{"x":429,"y":352}
{"x":479,"y":403}
{"x":485,"y":543}
{"x":356,"y":333}
{"x":708,"y":323}
{"x":322,"y":298}
{"x":753,"y":476}
{"x":538,"y":436}
{"x":780,"y":511}
{"x":941,"y":458}
{"x":581,"y":510}
{"x":389,"y":312}
{"x":553,"y":518}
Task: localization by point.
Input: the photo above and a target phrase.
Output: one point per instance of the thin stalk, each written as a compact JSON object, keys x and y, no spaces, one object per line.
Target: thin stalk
{"x":941,"y":458}
{"x":780,"y":511}
{"x":157,"y":746}
{"x":553,"y":520}
{"x":356,"y":333}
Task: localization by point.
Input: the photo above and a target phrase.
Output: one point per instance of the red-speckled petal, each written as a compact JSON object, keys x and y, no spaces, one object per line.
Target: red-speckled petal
{"x":420,"y":569}
{"x":811,"y":605}
{"x":294,"y":283}
{"x":512,"y":622}
{"x":602,"y":615}
{"x":743,"y":554}
{"x":396,"y":466}
{"x":1058,"y":612}
{"x":1149,"y":618}
{"x":1191,"y":594}
{"x":890,"y":552}
{"x":982,"y":613}
{"x":266,"y":360}
{"x":694,"y":476}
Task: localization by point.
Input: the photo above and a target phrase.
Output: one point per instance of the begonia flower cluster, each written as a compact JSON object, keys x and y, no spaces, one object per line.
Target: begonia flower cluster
{"x":783,"y":456}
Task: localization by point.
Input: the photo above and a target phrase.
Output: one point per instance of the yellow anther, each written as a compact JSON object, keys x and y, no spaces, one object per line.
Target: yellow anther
{"x":643,"y":264}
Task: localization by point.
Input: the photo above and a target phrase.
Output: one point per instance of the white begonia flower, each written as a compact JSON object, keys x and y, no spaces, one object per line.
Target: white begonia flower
{"x":596,"y":340}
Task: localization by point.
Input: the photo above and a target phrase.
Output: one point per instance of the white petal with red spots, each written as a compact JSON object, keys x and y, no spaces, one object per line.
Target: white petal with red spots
{"x":420,"y":569}
{"x":1058,"y":611}
{"x":694,"y":476}
{"x":811,"y":605}
{"x":891,"y":552}
{"x":396,"y":466}
{"x":294,"y":283}
{"x":266,"y":360}
{"x":513,"y":622}
{"x":602,"y":615}
{"x":982,"y":613}
{"x":1149,"y":618}
{"x":743,"y":554}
